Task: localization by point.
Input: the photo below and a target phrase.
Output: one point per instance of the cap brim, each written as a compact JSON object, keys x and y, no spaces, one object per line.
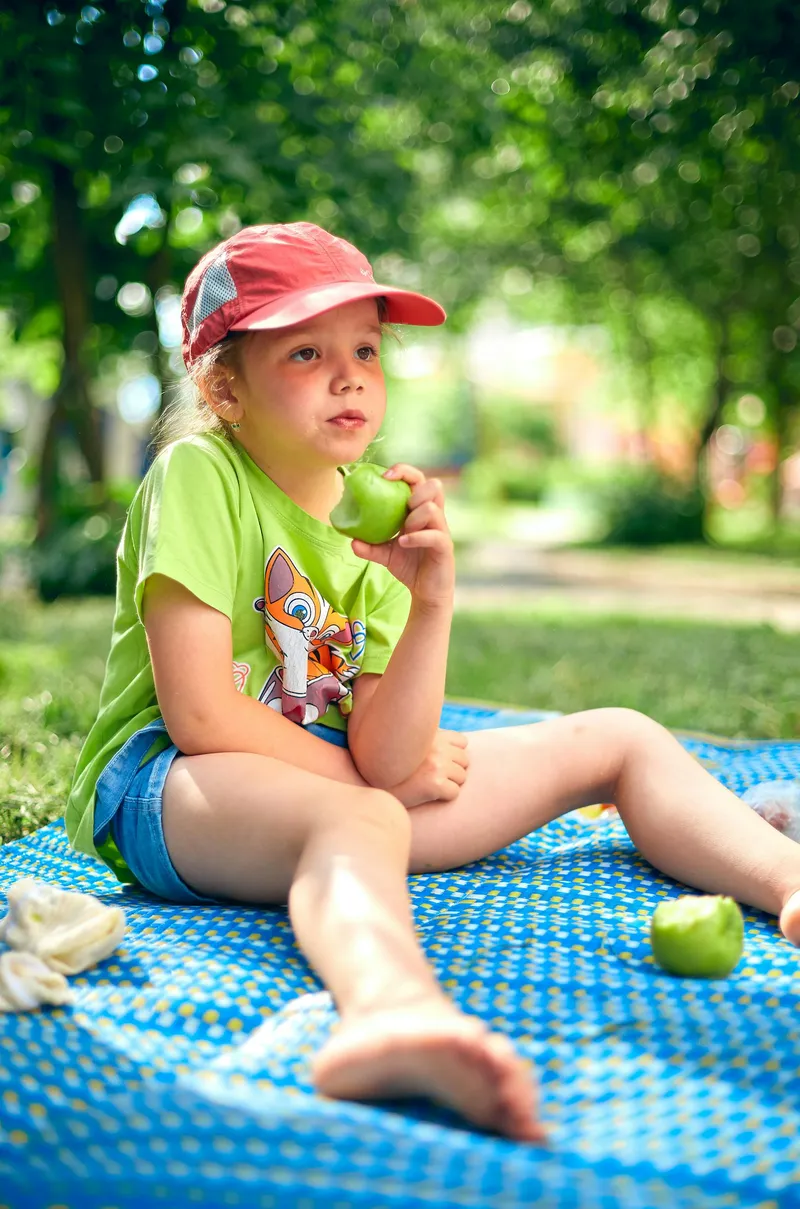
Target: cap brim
{"x":403,"y":306}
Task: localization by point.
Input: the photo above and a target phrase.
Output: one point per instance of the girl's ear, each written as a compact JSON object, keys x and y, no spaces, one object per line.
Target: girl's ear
{"x":217,"y":389}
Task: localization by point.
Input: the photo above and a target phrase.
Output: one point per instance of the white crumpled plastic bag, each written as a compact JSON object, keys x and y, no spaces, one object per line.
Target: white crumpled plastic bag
{"x":26,"y":983}
{"x":68,"y":931}
{"x":779,"y":803}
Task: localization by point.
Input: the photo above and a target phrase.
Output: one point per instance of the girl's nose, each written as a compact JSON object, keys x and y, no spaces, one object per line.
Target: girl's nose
{"x":343,"y":383}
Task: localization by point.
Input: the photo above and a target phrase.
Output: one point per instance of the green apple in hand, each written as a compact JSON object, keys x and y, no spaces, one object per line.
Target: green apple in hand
{"x":372,"y":508}
{"x":698,"y":936}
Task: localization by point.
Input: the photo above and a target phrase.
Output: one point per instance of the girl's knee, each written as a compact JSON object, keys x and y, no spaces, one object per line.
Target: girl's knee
{"x":370,"y":808}
{"x":357,"y":820}
{"x":631,"y":731}
{"x":630,"y":721}
{"x":622,"y":739}
{"x":615,"y":731}
{"x":379,"y":808}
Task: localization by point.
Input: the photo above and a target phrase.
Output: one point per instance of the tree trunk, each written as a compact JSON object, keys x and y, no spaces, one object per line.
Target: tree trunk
{"x":159,"y":269}
{"x":47,"y":494}
{"x":71,"y":401}
{"x":640,"y":351}
{"x":785,"y":399}
{"x":647,"y":398}
{"x":642,"y":356}
{"x":718,"y":399}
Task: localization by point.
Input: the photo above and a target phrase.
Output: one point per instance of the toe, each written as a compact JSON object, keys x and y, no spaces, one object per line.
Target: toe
{"x":517,"y":1094}
{"x":790,"y":918}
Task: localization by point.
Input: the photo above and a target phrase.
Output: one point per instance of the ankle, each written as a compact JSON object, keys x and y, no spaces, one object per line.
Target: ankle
{"x":409,"y":996}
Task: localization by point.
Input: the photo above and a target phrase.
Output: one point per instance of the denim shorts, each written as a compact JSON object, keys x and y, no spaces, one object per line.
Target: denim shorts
{"x":128,"y":807}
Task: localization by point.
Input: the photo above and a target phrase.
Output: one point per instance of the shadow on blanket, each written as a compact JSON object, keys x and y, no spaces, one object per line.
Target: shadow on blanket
{"x":156,"y":1088}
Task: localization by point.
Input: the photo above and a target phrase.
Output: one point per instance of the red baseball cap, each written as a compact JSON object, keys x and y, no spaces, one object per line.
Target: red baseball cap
{"x":277,"y":275}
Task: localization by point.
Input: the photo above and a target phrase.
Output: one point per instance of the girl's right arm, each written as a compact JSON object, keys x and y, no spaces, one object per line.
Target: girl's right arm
{"x":191,"y":651}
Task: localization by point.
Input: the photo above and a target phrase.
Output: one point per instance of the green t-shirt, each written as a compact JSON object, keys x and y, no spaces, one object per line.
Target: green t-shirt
{"x":306,"y":614}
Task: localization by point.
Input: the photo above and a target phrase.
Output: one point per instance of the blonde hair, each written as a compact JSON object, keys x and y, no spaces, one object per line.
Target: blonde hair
{"x":189,"y":413}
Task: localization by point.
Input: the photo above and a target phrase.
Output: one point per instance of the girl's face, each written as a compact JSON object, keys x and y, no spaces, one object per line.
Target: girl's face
{"x":314,"y":394}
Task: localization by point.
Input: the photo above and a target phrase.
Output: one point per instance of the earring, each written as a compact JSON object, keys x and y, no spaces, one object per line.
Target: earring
{"x":236,"y":426}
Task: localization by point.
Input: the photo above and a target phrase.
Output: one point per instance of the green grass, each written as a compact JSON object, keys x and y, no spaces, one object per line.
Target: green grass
{"x":740,"y":681}
{"x":730,"y":680}
{"x":51,"y":668}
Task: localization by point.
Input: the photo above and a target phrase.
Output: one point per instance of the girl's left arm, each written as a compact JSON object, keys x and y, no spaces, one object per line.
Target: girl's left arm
{"x":395,"y":719}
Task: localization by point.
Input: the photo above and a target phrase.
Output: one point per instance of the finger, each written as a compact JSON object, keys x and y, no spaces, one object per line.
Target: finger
{"x":460,"y":757}
{"x":427,"y":516}
{"x":430,"y":489}
{"x":458,"y":774}
{"x":456,"y":737}
{"x":374,"y":554}
{"x":408,"y":474}
{"x":427,"y":539}
{"x":448,"y":791}
{"x":457,"y":740}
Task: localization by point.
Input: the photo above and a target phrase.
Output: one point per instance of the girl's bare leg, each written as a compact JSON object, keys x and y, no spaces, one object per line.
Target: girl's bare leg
{"x":253,"y":829}
{"x":678,"y":816}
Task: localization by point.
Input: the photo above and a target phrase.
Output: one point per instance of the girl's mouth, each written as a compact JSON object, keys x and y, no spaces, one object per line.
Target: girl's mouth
{"x":349,"y":419}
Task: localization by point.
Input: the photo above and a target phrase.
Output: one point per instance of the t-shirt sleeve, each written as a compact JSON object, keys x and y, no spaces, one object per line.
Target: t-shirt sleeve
{"x":190,"y":527}
{"x":385,"y":624}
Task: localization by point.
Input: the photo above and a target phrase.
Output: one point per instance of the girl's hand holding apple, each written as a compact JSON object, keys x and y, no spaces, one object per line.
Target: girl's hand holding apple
{"x":421,"y":556}
{"x":372,"y":508}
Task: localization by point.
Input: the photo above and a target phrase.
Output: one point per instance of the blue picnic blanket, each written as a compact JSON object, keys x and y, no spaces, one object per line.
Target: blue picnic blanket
{"x":155,"y":1089}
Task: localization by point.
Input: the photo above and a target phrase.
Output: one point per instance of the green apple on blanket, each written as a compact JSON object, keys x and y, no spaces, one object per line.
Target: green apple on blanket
{"x":698,"y":936}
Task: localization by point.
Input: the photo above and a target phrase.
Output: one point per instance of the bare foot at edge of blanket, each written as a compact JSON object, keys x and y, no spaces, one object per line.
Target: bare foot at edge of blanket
{"x":790,"y":918}
{"x":437,"y":1052}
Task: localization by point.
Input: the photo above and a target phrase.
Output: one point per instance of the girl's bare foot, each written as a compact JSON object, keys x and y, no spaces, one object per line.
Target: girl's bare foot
{"x":790,"y":918}
{"x":432,"y":1050}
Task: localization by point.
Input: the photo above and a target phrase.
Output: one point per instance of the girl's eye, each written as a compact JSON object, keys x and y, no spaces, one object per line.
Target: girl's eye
{"x":365,"y":353}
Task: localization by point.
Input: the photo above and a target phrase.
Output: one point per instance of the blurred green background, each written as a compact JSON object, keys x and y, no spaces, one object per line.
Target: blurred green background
{"x":604,"y":196}
{"x":602,"y":193}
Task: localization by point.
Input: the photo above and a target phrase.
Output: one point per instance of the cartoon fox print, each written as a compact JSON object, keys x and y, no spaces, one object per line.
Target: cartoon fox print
{"x":305,"y":631}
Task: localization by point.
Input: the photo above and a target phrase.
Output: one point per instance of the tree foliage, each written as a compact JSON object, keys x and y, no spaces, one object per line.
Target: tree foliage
{"x":623,"y":152}
{"x":132,"y":137}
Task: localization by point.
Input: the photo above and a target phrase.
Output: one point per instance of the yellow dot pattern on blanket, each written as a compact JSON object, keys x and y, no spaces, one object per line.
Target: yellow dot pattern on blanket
{"x":181,"y":1077}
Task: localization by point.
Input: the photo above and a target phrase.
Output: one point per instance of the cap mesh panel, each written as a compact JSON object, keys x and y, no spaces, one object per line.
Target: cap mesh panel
{"x":217,"y":287}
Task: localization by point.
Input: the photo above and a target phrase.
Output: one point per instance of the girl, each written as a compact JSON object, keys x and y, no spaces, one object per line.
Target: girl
{"x":268,"y":721}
